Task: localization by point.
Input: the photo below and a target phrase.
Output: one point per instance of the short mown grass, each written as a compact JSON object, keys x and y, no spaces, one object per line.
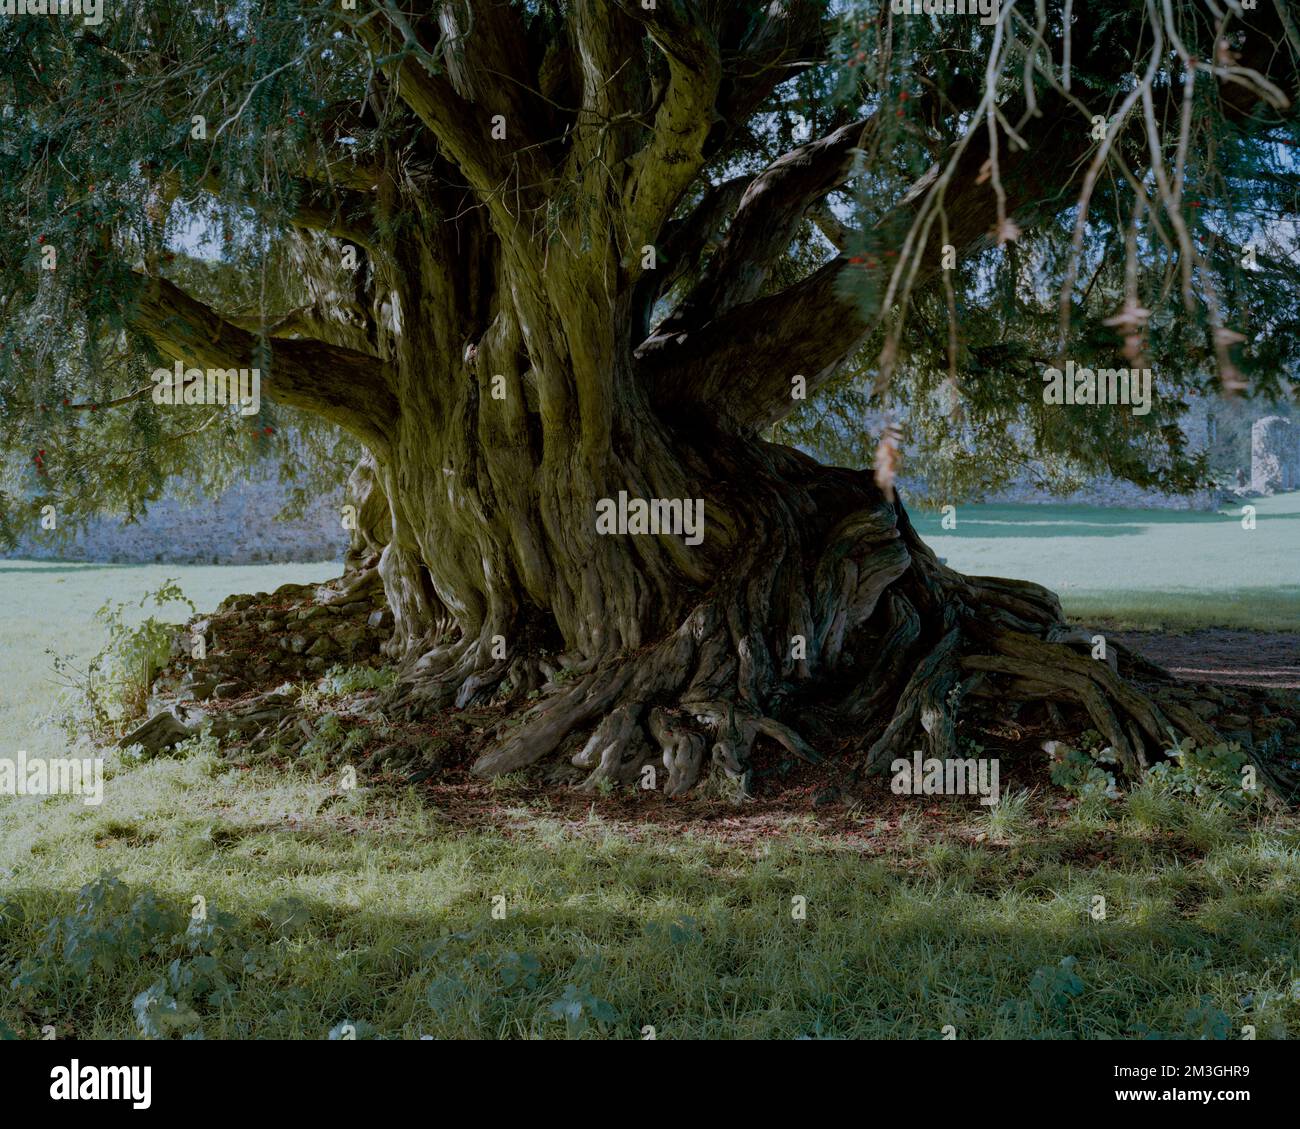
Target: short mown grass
{"x":1172,"y":569}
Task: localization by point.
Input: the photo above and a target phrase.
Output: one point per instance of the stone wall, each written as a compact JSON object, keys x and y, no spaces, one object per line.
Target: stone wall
{"x":238,"y":527}
{"x":1274,"y":455}
{"x":1105,"y":491}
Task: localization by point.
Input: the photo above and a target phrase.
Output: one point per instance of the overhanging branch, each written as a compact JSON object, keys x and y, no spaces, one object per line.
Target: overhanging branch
{"x":742,"y":363}
{"x":349,"y":388}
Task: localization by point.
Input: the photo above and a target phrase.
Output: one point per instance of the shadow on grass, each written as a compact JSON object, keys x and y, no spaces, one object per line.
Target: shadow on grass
{"x":696,"y":946}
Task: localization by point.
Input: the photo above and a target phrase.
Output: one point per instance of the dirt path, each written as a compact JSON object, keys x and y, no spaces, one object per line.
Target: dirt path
{"x":1242,"y":658}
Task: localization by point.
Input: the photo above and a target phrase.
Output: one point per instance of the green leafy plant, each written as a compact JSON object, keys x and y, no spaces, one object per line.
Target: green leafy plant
{"x":580,"y":1009}
{"x":1207,"y":1021}
{"x":1207,"y":772}
{"x":339,"y":680}
{"x":1085,"y":772}
{"x":1056,"y":985}
{"x":113,"y":690}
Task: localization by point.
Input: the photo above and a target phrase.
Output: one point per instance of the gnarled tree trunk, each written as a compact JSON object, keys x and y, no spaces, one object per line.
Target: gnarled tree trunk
{"x":502,"y":369}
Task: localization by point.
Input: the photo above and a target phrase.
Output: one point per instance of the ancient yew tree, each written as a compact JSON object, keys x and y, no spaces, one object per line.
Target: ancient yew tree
{"x":533,"y":257}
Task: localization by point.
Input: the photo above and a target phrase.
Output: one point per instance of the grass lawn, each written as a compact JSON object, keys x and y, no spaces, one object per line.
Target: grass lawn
{"x":374,"y":907}
{"x":48,"y":607}
{"x":1139,"y":568}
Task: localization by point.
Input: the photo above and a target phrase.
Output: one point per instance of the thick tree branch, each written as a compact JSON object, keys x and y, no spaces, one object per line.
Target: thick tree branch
{"x":349,"y":388}
{"x":472,"y":75}
{"x":742,"y":363}
{"x":759,"y":55}
{"x":838,"y":234}
{"x":344,"y":213}
{"x":673,"y":156}
{"x":767,"y":219}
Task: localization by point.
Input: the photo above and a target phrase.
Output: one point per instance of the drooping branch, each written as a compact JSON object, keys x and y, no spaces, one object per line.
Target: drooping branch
{"x":345,"y":213}
{"x":349,"y":388}
{"x":741,"y":362}
{"x":744,"y":360}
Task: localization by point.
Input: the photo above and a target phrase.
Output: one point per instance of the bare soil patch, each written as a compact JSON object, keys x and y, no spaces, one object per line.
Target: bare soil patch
{"x":1236,"y":658}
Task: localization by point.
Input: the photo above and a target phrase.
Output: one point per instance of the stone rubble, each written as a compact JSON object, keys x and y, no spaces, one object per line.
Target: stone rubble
{"x":294,"y":634}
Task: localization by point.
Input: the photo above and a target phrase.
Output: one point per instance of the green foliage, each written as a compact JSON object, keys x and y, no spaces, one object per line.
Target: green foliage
{"x":1206,"y":772}
{"x":689,"y":928}
{"x":202,"y":980}
{"x":88,"y":138}
{"x":113,"y":690}
{"x":108,"y":930}
{"x":975,"y":420}
{"x":340,"y":680}
{"x":1056,"y":985}
{"x":1207,"y":1021}
{"x":98,"y":154}
{"x":1086,"y":772}
{"x":580,"y":1009}
{"x":1212,"y":774}
{"x":1009,"y":817}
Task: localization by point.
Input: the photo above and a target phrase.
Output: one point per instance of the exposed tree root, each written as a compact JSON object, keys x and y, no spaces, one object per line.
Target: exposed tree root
{"x":903,"y":650}
{"x":846,"y":613}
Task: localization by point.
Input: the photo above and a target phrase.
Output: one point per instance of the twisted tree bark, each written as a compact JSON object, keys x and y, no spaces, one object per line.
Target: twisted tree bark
{"x":504,"y":374}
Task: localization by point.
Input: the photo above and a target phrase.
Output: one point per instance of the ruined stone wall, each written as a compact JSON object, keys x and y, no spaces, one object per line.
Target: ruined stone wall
{"x":238,"y":527}
{"x":1274,"y":455}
